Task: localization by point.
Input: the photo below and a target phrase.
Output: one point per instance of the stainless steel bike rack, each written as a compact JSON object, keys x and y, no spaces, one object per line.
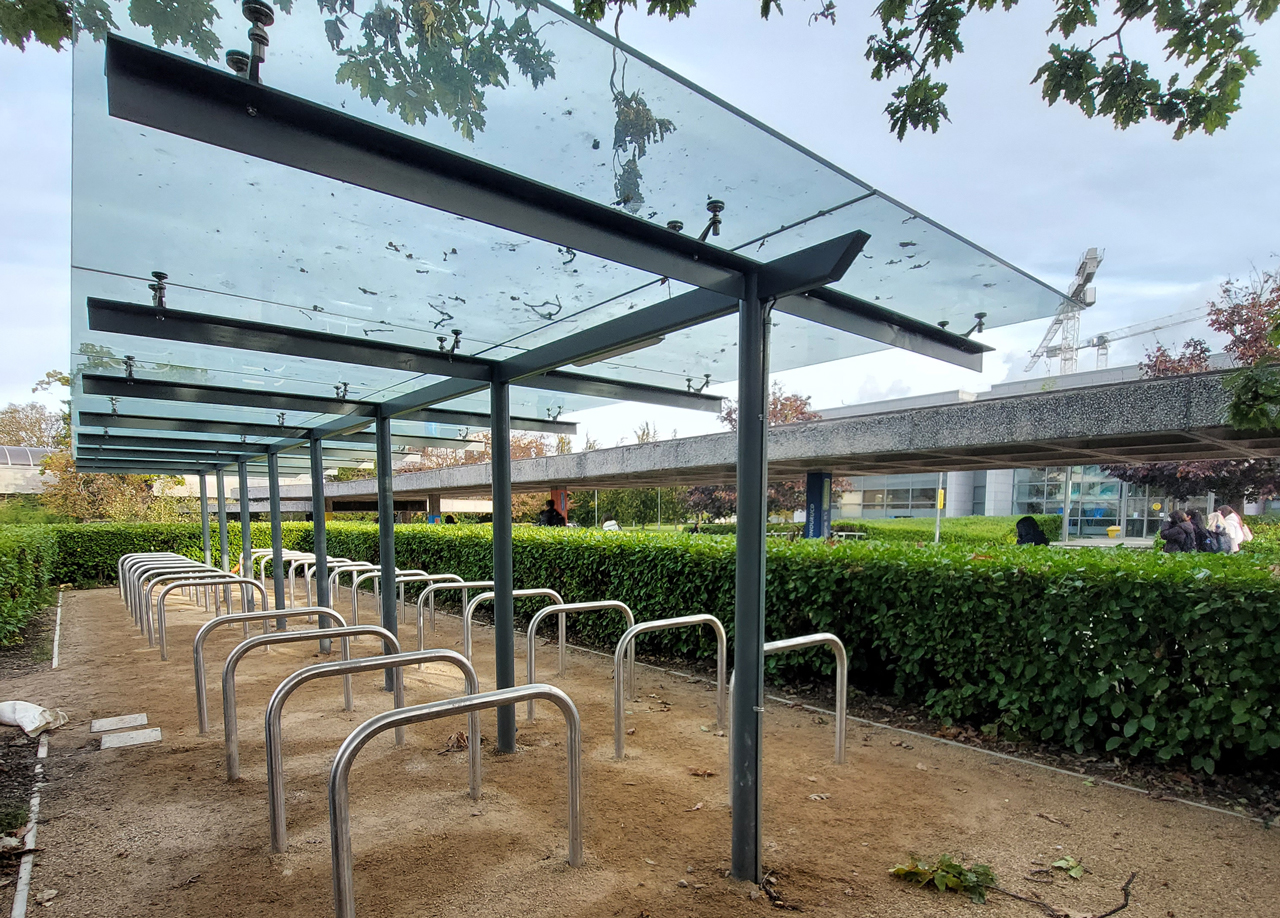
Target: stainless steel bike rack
{"x":138,"y":557}
{"x":139,"y":589}
{"x":662,"y":624}
{"x":484,"y":597}
{"x":340,"y":804}
{"x":231,"y":739}
{"x":244,"y":582}
{"x":429,"y":596}
{"x":275,"y":711}
{"x":348,"y":567}
{"x":159,"y":580}
{"x":197,"y":649}
{"x":608,"y":605}
{"x":842,"y":678}
{"x":418,"y":576}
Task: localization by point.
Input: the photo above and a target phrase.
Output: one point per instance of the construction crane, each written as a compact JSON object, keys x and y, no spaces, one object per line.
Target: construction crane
{"x":1080,"y":296}
{"x":1104,"y":340}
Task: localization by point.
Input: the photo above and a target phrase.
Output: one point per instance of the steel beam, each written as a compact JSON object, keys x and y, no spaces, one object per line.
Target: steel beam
{"x":170,"y":93}
{"x":108,"y":421}
{"x":246,"y":532}
{"x":200,"y":444}
{"x":578,"y":384}
{"x":206,"y":457}
{"x":125,"y":467}
{"x":122,"y":387}
{"x":503,"y":566}
{"x":749,"y":636}
{"x":386,"y":539}
{"x":168,"y":324}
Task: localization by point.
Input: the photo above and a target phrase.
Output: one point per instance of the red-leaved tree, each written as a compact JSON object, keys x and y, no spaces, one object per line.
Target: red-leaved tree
{"x":1247,"y":312}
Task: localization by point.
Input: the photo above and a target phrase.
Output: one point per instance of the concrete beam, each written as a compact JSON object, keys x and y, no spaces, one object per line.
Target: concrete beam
{"x":1156,"y":420}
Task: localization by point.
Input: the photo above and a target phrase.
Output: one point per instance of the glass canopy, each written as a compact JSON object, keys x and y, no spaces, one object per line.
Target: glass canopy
{"x":517,"y":85}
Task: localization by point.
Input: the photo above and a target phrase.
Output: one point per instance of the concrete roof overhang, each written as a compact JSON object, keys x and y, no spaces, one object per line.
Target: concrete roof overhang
{"x":1172,"y":419}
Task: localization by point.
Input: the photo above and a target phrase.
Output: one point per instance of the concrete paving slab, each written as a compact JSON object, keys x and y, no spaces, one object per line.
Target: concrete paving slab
{"x":131,"y":738}
{"x":107,"y":724}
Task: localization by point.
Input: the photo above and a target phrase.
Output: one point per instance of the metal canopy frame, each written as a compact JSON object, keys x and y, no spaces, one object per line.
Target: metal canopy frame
{"x":169,"y":93}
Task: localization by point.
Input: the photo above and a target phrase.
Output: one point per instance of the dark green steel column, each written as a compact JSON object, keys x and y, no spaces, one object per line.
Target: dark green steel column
{"x":748,"y":622}
{"x":246,"y":533}
{"x":387,"y":536}
{"x":224,"y":561}
{"x":503,"y":576}
{"x":319,"y":538}
{"x":204,"y":520}
{"x":277,"y":535}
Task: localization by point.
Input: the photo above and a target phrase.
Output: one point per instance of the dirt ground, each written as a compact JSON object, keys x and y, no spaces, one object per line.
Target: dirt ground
{"x":158,"y":831}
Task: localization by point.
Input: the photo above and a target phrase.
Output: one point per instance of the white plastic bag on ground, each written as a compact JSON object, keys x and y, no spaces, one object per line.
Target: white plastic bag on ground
{"x":30,"y":717}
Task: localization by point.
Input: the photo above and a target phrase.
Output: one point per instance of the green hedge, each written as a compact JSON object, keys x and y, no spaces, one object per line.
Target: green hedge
{"x":1135,"y":653}
{"x":973,"y":531}
{"x":28,"y":556}
{"x":88,"y":552}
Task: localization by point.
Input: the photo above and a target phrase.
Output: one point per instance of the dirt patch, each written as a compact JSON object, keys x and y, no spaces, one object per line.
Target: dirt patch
{"x":158,"y":831}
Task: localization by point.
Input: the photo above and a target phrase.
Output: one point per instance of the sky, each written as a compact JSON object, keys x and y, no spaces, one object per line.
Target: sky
{"x":1035,"y":184}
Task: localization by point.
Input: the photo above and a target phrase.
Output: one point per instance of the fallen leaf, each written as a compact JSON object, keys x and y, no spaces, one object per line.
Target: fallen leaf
{"x":1053,"y":819}
{"x":651,"y":863}
{"x":696,"y":806}
{"x":819,"y":797}
{"x":812,"y":779}
{"x":46,"y":897}
{"x":922,"y":766}
{"x":702,"y":772}
{"x":631,"y":731}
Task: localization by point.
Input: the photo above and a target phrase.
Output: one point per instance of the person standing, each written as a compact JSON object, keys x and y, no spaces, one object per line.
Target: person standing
{"x":1178,"y":534}
{"x":1205,"y":540}
{"x":1236,"y":530}
{"x":550,"y":516}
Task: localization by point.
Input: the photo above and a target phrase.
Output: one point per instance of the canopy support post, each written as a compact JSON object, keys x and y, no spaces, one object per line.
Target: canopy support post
{"x":246,"y":533}
{"x":277,"y":534}
{"x":503,"y":568}
{"x":749,"y":608}
{"x":224,"y":560}
{"x":204,"y":521}
{"x":386,"y":536}
{"x":319,"y":538}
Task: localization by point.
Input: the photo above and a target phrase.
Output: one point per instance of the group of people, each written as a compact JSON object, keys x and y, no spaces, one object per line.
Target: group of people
{"x":1223,"y":532}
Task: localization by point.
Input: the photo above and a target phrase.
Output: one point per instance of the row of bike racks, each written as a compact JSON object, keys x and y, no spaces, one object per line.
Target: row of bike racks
{"x":142,"y":574}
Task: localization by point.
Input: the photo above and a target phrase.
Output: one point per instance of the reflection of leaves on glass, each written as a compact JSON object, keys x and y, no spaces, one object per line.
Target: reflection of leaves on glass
{"x":421,"y":58}
{"x":635,"y":128}
{"x":424,"y":58}
{"x":188,"y":23}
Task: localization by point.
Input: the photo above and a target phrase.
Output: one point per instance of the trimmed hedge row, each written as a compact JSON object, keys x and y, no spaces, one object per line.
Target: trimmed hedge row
{"x":973,"y":531}
{"x":1135,"y":653}
{"x":28,"y":556}
{"x":1127,"y":652}
{"x":88,"y":552}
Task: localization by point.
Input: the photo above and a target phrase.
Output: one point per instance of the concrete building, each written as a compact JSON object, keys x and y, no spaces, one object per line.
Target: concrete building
{"x":1096,"y":500}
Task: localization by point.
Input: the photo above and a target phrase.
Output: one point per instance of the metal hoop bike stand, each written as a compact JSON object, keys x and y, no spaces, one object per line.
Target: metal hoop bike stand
{"x":244,"y":582}
{"x":428,"y":596}
{"x":138,"y":557}
{"x":187,"y":578}
{"x":197,"y":649}
{"x":309,"y":574}
{"x":417,"y":576}
{"x":662,"y":624}
{"x":230,"y":727}
{"x":515,"y":594}
{"x":140,"y":605}
{"x":339,"y":800}
{"x":275,"y":711}
{"x":608,"y":605}
{"x":349,"y":567}
{"x":842,"y":678}
{"x":139,"y":570}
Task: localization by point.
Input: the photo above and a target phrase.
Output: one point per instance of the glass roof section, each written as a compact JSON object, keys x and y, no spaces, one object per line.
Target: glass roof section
{"x":518,"y":85}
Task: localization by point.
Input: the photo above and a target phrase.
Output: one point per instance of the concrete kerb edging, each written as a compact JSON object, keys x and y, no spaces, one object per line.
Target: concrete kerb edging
{"x":22,"y":891}
{"x":933,"y":739}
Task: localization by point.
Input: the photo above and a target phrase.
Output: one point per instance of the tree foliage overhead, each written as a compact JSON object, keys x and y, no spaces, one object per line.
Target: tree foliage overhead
{"x":1207,"y":55}
{"x":32,"y":425}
